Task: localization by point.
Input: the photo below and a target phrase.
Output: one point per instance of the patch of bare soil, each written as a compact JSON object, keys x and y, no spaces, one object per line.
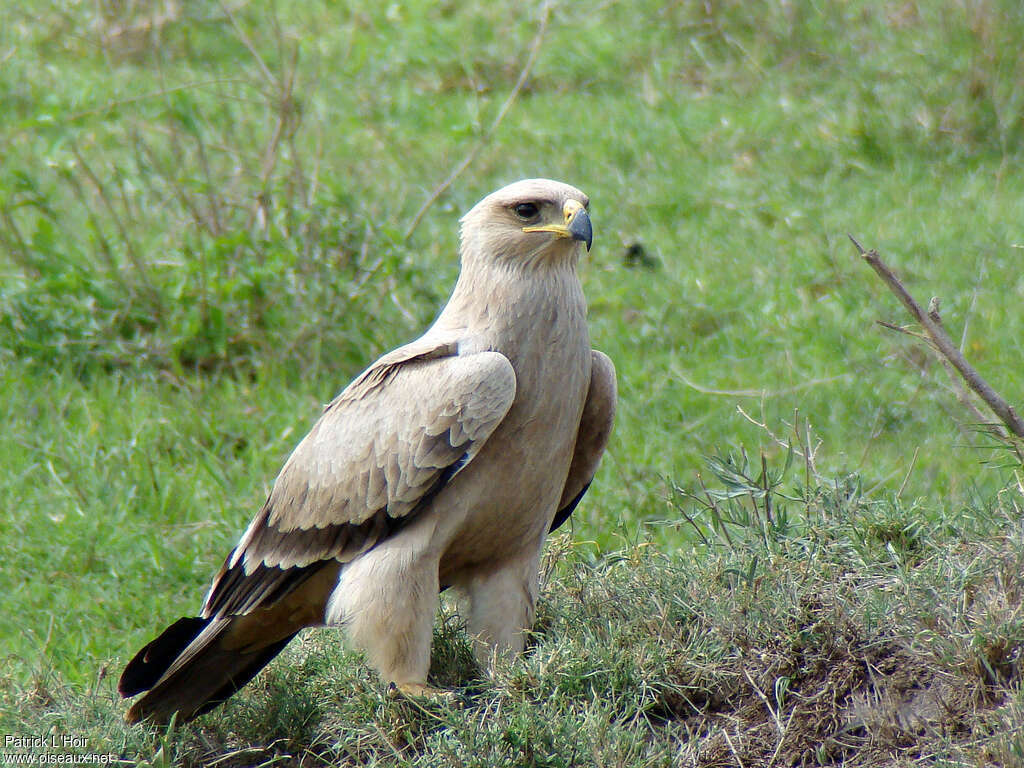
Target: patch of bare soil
{"x":826,"y":693}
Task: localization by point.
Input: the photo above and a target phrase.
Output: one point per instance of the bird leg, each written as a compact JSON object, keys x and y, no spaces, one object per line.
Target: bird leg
{"x":386,"y":600}
{"x":501,"y":609}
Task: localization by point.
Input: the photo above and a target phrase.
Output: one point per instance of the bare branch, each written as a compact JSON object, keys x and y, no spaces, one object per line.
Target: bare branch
{"x":904,"y":330}
{"x":761,"y":393}
{"x":531,"y":59}
{"x":937,"y":335}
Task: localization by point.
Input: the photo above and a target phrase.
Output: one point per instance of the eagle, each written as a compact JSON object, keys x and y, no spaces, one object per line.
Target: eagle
{"x":445,"y":464}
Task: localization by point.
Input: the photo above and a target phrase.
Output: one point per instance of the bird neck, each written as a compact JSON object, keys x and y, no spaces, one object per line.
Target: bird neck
{"x":492,"y":295}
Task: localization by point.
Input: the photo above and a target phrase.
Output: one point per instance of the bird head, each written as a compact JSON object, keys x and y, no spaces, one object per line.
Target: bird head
{"x":528,"y":221}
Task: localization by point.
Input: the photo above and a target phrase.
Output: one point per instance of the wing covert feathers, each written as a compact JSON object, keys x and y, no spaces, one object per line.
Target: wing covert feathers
{"x":381,"y":449}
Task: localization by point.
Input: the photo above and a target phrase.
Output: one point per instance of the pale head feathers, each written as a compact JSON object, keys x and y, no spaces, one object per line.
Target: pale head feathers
{"x":493,"y":230}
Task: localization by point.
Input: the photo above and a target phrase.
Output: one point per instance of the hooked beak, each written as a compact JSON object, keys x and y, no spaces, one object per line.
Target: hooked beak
{"x":577,"y":224}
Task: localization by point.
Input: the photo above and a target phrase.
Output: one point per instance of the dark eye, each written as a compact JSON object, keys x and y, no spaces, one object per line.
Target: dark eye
{"x":526,"y":211}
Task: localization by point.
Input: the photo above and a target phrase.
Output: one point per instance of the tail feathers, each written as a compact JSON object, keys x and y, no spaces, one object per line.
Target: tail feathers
{"x":149,"y":664}
{"x":187,"y":670}
{"x":235,"y":683}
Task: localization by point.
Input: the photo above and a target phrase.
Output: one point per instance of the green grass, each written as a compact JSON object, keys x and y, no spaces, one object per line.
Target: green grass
{"x":852,"y":631}
{"x":202,"y":220}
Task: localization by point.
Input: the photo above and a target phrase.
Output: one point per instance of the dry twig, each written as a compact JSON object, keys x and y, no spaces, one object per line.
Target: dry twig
{"x":931,"y":322}
{"x":524,"y":74}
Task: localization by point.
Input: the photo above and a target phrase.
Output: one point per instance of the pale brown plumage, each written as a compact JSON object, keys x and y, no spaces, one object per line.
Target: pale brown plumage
{"x":444,"y":464}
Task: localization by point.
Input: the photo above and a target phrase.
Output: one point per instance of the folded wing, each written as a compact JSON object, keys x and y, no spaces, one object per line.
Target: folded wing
{"x":375,"y":458}
{"x":378,"y":453}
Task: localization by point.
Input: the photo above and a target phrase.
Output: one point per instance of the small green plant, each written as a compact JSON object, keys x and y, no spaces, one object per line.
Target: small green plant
{"x":744,"y":501}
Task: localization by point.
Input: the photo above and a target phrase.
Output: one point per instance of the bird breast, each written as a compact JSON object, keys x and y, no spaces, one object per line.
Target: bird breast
{"x":542,"y":331}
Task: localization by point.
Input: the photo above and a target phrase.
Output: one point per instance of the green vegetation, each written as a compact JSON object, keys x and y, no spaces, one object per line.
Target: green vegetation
{"x":203,"y":217}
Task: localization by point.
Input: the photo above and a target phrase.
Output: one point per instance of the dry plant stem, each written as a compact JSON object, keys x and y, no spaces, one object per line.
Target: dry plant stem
{"x":721,"y":528}
{"x":693,"y":524}
{"x":140,"y":267}
{"x":958,"y":388}
{"x":16,"y":245}
{"x":906,"y":478}
{"x":281,"y":99}
{"x":762,"y":393}
{"x":955,"y":382}
{"x":118,"y":103}
{"x":524,"y":74}
{"x":774,"y":712}
{"x":945,"y":346}
{"x":804,"y":451}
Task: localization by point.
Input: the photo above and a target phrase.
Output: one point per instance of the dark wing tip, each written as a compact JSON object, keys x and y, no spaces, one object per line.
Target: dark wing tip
{"x":150,"y":663}
{"x":563,"y":514}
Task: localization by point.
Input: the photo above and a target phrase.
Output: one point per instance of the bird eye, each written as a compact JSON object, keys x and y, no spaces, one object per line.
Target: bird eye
{"x":526,"y":211}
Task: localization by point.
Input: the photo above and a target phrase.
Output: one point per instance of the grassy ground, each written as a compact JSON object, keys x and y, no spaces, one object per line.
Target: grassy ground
{"x":204,"y":234}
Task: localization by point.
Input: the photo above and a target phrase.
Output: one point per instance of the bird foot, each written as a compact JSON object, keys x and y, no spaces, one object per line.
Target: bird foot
{"x":420,"y":691}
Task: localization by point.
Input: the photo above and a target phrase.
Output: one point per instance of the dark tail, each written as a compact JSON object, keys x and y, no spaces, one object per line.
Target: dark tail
{"x":191,"y":668}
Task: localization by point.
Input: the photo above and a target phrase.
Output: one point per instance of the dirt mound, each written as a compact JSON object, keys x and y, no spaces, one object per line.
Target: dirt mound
{"x":826,"y":693}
